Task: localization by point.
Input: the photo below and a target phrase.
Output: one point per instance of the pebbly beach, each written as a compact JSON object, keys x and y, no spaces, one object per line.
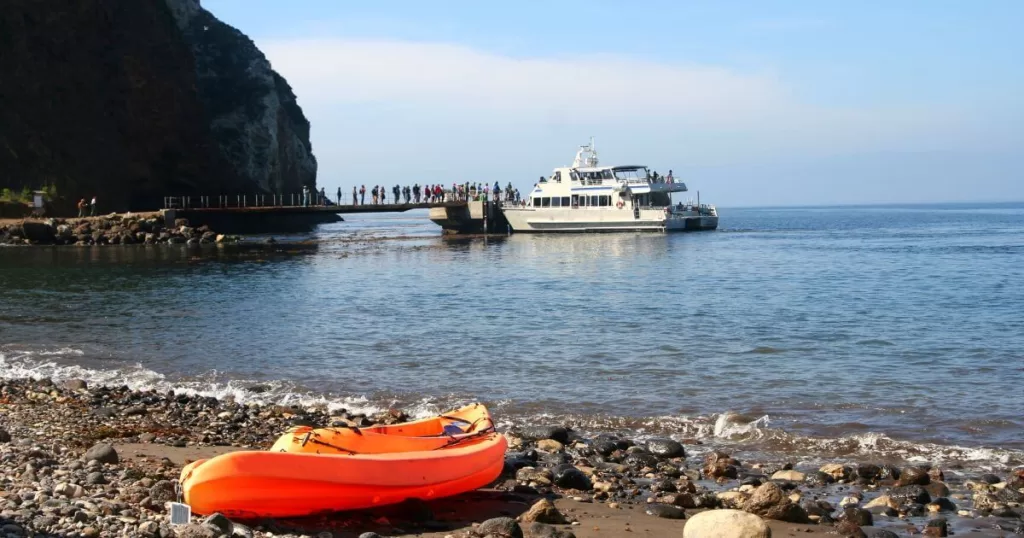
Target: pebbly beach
{"x":93,"y":460}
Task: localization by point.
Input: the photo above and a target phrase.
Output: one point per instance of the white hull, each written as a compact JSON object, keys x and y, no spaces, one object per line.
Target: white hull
{"x":529,"y":219}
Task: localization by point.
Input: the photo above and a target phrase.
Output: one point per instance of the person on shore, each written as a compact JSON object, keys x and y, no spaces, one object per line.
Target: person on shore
{"x":407,"y":193}
{"x":416,"y":192}
{"x":362,"y":195}
{"x":397,"y":191}
{"x":355,"y":197}
{"x":374,"y":193}
{"x":339,"y":195}
{"x":92,"y":207}
{"x":383,"y":195}
{"x":81,"y":208}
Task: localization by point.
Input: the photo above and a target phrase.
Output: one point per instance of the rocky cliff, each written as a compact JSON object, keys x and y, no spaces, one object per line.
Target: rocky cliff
{"x":132,"y":100}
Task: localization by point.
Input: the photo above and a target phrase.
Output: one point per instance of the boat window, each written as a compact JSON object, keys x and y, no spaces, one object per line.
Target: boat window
{"x":631,"y":174}
{"x":545,"y":202}
{"x":593,"y":201}
{"x":574,"y":175}
{"x":558,"y":176}
{"x":536,"y":202}
{"x":565,"y":201}
{"x":554,"y":201}
{"x":605,"y":201}
{"x":606,"y":174}
{"x":575,"y":200}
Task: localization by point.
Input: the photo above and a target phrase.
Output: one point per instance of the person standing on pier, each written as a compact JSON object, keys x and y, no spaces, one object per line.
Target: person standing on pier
{"x":305,"y":196}
{"x":416,"y":192}
{"x":92,"y":207}
{"x":373,"y":191}
{"x":355,"y":196}
{"x":362,"y":195}
{"x":339,"y":195}
{"x":397,"y":191}
{"x":323,"y":196}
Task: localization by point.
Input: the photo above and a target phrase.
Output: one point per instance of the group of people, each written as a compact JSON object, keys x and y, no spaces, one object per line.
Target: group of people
{"x":87,"y":207}
{"x":436,"y":193}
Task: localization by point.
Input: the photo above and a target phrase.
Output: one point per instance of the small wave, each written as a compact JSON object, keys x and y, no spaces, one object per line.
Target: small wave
{"x":766,"y":350}
{"x":875,"y":342}
{"x":37,"y":365}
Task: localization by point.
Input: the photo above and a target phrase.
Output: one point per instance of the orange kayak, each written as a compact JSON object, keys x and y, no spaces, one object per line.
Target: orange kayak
{"x":425,"y":434}
{"x":298,"y":482}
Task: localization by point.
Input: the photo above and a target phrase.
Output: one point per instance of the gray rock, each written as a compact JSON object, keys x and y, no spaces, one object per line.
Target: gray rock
{"x":666,"y":511}
{"x":666,"y":448}
{"x":543,"y":511}
{"x":95,"y":478}
{"x":536,"y":433}
{"x":102,"y":453}
{"x":910,"y":494}
{"x":569,"y":477}
{"x":149,"y":528}
{"x":370,"y":535}
{"x":162,"y":492}
{"x":75,"y":384}
{"x":505,"y":527}
{"x":221,"y":523}
{"x":881,"y":533}
{"x":543,"y":530}
{"x":857,"y":515}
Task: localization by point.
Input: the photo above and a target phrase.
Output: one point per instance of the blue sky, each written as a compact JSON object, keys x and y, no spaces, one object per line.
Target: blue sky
{"x":752,"y":103}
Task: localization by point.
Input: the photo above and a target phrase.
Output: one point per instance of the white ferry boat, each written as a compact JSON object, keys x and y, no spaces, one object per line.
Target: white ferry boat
{"x":586,"y":197}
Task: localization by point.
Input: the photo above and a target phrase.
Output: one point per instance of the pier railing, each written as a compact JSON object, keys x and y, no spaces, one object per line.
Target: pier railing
{"x":298,"y":199}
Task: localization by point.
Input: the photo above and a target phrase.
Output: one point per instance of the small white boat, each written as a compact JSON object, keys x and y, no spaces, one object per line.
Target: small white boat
{"x":586,"y":197}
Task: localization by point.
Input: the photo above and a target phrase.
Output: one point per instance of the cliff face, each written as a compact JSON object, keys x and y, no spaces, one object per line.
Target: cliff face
{"x":255,"y":119}
{"x":132,"y":100}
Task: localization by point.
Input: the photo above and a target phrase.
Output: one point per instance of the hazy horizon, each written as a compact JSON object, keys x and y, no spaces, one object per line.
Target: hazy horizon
{"x":782,"y":104}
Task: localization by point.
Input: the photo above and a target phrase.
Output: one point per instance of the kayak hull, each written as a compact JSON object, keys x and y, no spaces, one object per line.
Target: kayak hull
{"x":257,"y":484}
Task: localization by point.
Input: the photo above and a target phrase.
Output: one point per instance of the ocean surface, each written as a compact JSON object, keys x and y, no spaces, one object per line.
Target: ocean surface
{"x":792,"y":333}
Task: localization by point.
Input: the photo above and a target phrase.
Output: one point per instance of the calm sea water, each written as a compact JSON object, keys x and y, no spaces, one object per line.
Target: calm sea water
{"x":852,"y":331}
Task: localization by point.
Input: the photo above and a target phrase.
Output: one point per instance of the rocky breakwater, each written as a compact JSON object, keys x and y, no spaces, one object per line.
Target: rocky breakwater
{"x":110,"y":230}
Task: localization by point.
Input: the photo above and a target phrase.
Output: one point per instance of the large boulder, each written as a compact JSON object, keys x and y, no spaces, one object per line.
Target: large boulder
{"x":102,"y":453}
{"x":726,"y":524}
{"x":769,"y":501}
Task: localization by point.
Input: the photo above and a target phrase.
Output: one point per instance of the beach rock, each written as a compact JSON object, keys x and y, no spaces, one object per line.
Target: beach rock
{"x":769,"y":501}
{"x":868,"y":472}
{"x":536,"y":433}
{"x":541,"y":477}
{"x":720,"y":465}
{"x":665,"y":511}
{"x":370,"y":535}
{"x":936,"y":527}
{"x":912,"y":476}
{"x":196,"y":530}
{"x":937,"y":489}
{"x":639,"y":460}
{"x":990,"y":478}
{"x":902,"y":495}
{"x":666,"y":448}
{"x":726,"y":524}
{"x":549,"y":445}
{"x":849,"y":529}
{"x":102,"y":453}
{"x":70,"y":491}
{"x":569,"y":477}
{"x":881,"y":533}
{"x":543,"y":530}
{"x":504,"y":527}
{"x":220,"y":523}
{"x":941,"y":504}
{"x":162,"y":492}
{"x":836,"y":471}
{"x":857,"y":515}
{"x":790,"y":475}
{"x":4,"y":436}
{"x":544,"y":511}
{"x":75,"y":384}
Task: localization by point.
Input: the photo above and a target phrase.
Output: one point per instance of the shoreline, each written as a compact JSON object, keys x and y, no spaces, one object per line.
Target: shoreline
{"x":51,"y":426}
